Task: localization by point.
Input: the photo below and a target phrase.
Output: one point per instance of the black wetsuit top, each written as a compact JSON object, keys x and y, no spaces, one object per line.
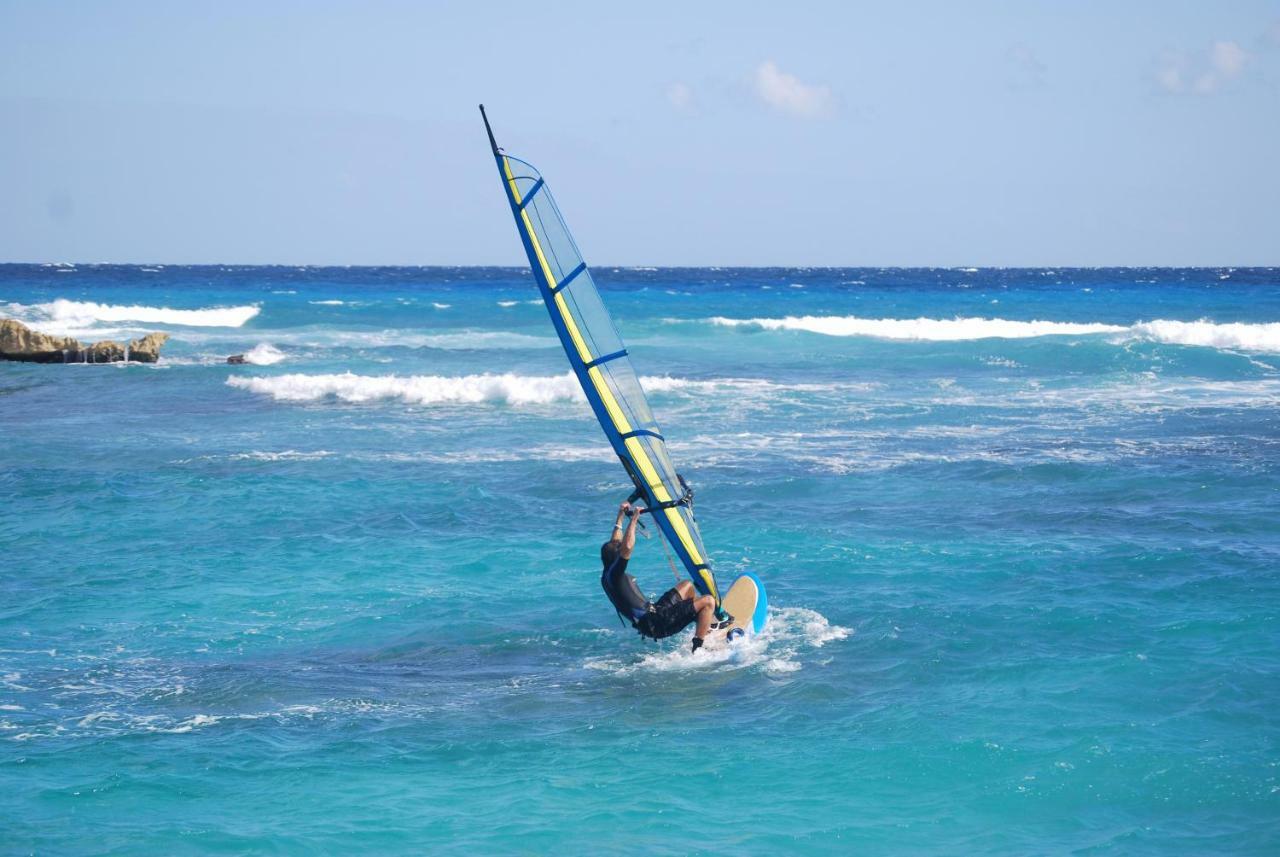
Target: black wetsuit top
{"x":624,"y":594}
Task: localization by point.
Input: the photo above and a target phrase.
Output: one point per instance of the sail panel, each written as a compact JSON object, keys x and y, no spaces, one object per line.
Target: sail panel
{"x":612,"y":386}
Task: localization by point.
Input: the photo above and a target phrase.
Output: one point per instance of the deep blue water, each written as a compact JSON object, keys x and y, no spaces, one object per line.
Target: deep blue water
{"x":1018,"y":527}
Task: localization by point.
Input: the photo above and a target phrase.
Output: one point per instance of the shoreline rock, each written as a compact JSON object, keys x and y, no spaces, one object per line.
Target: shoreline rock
{"x":20,"y":343}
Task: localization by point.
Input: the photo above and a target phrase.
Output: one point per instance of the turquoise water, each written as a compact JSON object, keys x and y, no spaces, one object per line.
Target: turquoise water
{"x":1018,"y":527}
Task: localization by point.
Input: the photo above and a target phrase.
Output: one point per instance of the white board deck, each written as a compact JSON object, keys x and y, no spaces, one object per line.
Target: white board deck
{"x":746,"y":602}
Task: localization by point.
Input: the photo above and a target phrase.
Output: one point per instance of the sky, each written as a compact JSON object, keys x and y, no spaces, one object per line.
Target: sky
{"x":710,"y":133}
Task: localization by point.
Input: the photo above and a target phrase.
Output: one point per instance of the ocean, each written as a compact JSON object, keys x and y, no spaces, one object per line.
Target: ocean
{"x":1018,"y":527}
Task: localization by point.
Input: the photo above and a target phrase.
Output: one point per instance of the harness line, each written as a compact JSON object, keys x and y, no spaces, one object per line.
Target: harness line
{"x":671,"y":562}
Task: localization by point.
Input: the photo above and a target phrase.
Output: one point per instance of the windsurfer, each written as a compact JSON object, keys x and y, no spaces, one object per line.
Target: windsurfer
{"x":678,"y":607}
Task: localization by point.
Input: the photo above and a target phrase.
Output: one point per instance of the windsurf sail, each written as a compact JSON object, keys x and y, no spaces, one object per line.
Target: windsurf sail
{"x":601,"y":362}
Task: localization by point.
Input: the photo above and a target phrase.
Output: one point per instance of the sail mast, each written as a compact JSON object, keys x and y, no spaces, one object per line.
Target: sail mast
{"x":493,"y":144}
{"x":601,"y":361}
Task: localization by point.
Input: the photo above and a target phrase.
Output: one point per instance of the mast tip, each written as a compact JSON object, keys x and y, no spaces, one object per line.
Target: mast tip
{"x":493,"y":144}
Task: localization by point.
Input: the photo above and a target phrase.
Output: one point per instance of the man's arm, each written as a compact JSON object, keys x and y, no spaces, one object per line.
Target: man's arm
{"x":617,"y":522}
{"x":629,"y":538}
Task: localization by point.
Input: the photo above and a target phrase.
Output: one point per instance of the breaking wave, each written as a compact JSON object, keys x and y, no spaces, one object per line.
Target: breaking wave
{"x":263,"y":354}
{"x":466,"y":339}
{"x":507,"y":388}
{"x":415,"y":389}
{"x":64,"y":317}
{"x":925,"y":329}
{"x":1247,"y":337}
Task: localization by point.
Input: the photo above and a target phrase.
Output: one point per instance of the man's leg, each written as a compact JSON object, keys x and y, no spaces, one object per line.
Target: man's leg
{"x":688,"y":593}
{"x":706,"y":607}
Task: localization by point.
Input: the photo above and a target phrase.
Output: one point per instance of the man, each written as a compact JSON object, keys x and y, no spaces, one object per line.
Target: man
{"x":670,"y":614}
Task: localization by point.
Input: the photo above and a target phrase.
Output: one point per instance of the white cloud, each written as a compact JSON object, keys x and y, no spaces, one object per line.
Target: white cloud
{"x":1170,"y":73}
{"x":789,"y":94}
{"x":1204,"y":72}
{"x":1228,"y":58}
{"x":681,"y":96}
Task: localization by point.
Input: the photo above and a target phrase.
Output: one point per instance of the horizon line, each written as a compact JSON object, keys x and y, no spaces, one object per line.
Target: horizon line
{"x":634,"y":267}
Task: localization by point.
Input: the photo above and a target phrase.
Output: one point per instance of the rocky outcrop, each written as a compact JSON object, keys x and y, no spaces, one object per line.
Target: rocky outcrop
{"x":19,"y":342}
{"x":18,"y":339}
{"x":147,"y":349}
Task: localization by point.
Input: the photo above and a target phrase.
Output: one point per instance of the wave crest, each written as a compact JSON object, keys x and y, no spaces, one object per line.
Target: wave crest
{"x":1246,"y":337}
{"x":1238,"y":335}
{"x":506,"y":388}
{"x":64,"y":316}
{"x":264,"y":354}
{"x":415,"y":389}
{"x":923,"y":329}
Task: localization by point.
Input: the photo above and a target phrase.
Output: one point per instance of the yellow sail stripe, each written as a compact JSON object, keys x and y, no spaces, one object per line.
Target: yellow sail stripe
{"x":651,"y":477}
{"x":682,"y":530}
{"x":610,"y":403}
{"x":647,"y":471}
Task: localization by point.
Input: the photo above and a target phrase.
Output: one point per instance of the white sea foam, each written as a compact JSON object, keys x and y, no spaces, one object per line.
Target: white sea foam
{"x":454,"y":341}
{"x":320,"y":337}
{"x":416,"y":389}
{"x":791,"y":634}
{"x":110,"y":721}
{"x":274,"y":456}
{"x":283,"y":455}
{"x":505,"y":304}
{"x":439,"y":305}
{"x":66,"y":317}
{"x":264,"y":354}
{"x":196,"y":722}
{"x":924,"y":329}
{"x":74,"y":312}
{"x":327,"y":303}
{"x":505,"y":388}
{"x":1248,"y":337}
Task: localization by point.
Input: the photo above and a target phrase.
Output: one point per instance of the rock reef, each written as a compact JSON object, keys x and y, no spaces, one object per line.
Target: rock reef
{"x":19,"y":342}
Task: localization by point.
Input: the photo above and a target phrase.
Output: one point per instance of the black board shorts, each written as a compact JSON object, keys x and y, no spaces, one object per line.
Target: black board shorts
{"x":671,"y":614}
